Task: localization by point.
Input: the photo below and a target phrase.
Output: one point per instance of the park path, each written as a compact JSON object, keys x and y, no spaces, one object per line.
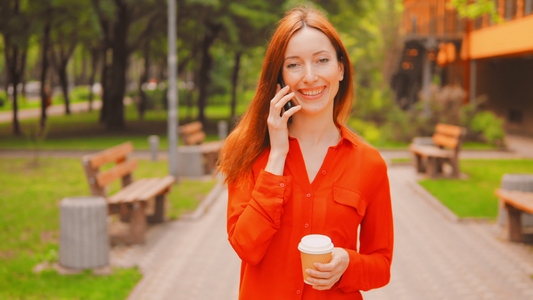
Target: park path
{"x":54,"y":110}
{"x":435,"y":257}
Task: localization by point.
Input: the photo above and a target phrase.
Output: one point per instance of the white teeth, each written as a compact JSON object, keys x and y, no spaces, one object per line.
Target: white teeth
{"x":312,"y":92}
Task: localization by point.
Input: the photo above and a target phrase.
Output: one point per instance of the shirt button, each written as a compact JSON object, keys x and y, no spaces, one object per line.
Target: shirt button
{"x":308,"y":195}
{"x":282,"y":184}
{"x":306,"y":225}
{"x":324,"y":172}
{"x":278,"y":210}
{"x":298,"y":292}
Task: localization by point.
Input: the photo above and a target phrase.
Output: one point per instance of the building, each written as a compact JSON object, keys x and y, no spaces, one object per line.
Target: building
{"x":489,"y":60}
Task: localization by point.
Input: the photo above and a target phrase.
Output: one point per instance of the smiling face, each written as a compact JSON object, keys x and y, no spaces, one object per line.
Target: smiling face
{"x":312,"y":70}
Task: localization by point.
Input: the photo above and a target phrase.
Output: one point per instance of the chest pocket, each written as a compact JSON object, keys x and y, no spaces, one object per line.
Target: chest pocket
{"x":350,"y":198}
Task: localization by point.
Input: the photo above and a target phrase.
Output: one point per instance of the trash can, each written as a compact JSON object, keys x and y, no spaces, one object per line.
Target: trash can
{"x":516,"y":182}
{"x":84,"y":238}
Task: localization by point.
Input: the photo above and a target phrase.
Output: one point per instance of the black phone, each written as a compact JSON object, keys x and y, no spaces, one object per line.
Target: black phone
{"x":289,"y":103}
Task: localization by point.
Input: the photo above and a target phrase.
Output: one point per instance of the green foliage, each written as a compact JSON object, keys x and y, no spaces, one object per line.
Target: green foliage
{"x":367,"y":130}
{"x":490,"y":126}
{"x":3,"y":99}
{"x":475,"y":9}
{"x":81,"y":94}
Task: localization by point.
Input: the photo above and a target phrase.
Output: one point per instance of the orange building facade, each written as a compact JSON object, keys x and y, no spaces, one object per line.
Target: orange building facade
{"x":491,"y":61}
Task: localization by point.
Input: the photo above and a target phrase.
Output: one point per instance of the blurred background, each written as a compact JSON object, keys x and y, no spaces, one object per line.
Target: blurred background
{"x":417,"y":62}
{"x":82,"y":76}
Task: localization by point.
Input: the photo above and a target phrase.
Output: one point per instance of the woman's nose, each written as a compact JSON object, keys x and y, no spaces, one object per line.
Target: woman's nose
{"x":310,"y":75}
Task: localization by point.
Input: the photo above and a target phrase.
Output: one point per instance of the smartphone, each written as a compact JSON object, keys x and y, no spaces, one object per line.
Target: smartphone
{"x":289,"y":103}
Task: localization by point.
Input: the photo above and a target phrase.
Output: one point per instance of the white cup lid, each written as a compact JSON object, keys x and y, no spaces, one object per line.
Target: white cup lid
{"x":315,"y":244}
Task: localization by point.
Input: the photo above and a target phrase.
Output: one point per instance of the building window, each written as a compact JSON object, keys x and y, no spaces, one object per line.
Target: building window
{"x":528,"y":7}
{"x":515,"y":116}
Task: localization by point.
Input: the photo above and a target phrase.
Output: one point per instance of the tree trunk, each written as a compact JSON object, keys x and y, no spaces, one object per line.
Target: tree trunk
{"x":44,"y":68}
{"x":143,"y":79}
{"x":105,"y":87}
{"x":234,"y":83}
{"x":116,"y":80}
{"x":94,"y":63}
{"x":15,"y":65}
{"x":204,"y":75}
{"x":63,"y":80}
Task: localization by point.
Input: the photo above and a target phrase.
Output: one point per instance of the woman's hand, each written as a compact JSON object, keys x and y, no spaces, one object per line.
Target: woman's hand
{"x":328,"y":274}
{"x":278,"y":130}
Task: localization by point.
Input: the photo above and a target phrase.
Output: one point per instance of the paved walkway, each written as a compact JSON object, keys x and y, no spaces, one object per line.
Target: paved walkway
{"x":54,"y":110}
{"x":435,"y":257}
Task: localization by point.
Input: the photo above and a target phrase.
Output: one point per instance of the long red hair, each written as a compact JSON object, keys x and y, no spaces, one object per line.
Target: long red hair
{"x":250,"y":137}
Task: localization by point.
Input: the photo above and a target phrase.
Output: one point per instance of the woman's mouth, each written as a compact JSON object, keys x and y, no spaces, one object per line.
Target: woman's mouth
{"x":313,"y":92}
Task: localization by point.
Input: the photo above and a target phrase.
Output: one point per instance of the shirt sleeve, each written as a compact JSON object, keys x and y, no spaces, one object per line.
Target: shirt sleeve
{"x":254,"y":214}
{"x":370,"y":267}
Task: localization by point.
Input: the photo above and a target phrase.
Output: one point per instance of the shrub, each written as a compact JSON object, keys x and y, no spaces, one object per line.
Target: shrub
{"x":367,"y":130}
{"x":490,"y":126}
{"x":3,"y":98}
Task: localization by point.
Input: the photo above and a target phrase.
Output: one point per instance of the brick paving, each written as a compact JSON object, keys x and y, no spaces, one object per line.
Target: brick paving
{"x":435,"y":257}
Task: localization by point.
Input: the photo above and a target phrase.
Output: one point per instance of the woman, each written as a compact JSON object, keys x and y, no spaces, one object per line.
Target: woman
{"x":288,"y":179}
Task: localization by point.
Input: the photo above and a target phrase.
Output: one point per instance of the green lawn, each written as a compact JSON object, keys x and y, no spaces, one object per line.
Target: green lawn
{"x":29,"y":222}
{"x":474,"y":197}
{"x":83,"y":132}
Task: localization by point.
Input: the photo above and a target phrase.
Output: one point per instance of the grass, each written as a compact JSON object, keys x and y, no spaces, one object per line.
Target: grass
{"x":82,"y":131}
{"x":29,"y":222}
{"x":474,"y":197}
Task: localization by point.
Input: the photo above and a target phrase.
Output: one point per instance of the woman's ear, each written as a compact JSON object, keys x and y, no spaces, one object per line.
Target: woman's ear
{"x":341,"y":71}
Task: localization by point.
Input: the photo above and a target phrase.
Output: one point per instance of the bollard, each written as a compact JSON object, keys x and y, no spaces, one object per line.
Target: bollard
{"x":222,"y":130}
{"x":84,"y":239}
{"x":153,"y":140}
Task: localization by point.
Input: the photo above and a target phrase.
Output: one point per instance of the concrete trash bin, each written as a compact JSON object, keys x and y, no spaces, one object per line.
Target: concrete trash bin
{"x":516,"y":182}
{"x":84,"y":238}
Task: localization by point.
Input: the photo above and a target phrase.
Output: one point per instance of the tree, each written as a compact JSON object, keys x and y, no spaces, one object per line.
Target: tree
{"x":116,"y":19}
{"x":238,"y":25}
{"x":15,"y":28}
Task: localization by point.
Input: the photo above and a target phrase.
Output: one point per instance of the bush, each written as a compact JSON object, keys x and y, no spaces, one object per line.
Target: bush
{"x":3,"y":98}
{"x":81,"y":93}
{"x":490,"y":126}
{"x":367,"y":130}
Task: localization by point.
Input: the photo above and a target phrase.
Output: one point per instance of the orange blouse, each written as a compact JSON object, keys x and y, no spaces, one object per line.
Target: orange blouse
{"x":268,"y":218}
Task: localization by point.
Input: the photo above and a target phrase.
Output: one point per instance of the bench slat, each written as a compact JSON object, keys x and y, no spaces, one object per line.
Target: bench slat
{"x":157,"y":187}
{"x":194,"y":138}
{"x":190,"y":128}
{"x":446,"y":141}
{"x":518,"y":199}
{"x":109,"y":155}
{"x":451,"y":130}
{"x":118,"y":171}
{"x":213,"y":146}
{"x":427,"y":150}
{"x":130,"y":192}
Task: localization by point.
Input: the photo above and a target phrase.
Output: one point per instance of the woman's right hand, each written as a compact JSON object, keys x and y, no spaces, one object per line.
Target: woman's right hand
{"x":278,"y":130}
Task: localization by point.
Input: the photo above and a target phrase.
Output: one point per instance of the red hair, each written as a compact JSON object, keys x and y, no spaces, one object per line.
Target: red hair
{"x":250,"y":137}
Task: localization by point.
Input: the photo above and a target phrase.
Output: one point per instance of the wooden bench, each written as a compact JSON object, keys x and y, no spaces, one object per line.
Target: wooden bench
{"x":447,"y":141}
{"x":192,"y":134}
{"x":137,"y":201}
{"x":516,"y":202}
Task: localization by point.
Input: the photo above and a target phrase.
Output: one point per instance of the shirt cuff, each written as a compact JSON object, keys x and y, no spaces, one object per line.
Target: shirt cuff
{"x":277,"y":186}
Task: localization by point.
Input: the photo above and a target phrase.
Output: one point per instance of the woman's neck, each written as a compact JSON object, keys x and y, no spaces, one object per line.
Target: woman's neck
{"x":314,"y":131}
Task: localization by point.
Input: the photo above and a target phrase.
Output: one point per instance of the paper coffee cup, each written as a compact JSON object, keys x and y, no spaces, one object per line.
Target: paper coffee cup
{"x":314,"y":248}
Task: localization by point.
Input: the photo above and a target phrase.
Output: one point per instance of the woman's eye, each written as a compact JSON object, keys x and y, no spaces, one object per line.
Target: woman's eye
{"x":323,"y":60}
{"x":291,"y":66}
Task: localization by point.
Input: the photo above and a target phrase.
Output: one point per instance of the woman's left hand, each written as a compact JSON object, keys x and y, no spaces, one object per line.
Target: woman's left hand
{"x":328,"y":274}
